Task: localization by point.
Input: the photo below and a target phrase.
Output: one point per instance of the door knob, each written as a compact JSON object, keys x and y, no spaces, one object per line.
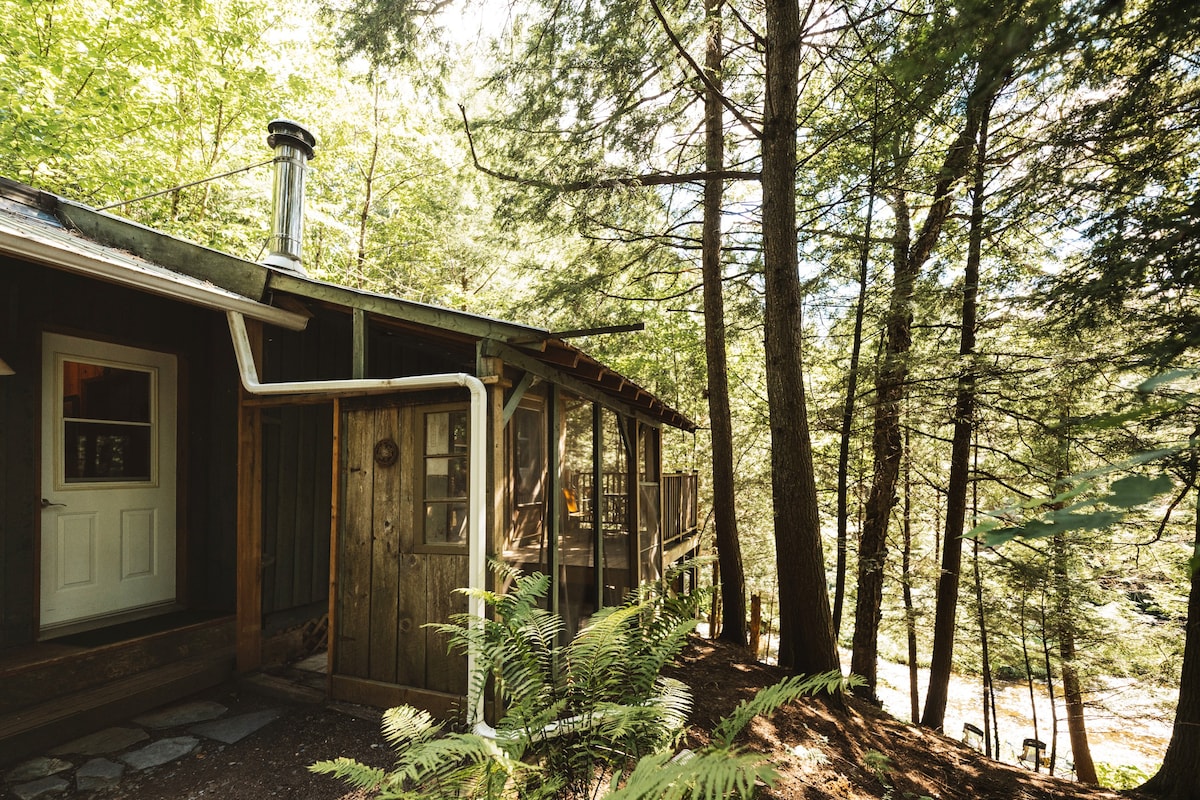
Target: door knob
{"x":47,"y":504}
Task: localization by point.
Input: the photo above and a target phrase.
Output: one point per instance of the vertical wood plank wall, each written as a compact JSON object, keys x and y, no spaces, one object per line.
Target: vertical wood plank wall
{"x":34,"y":299}
{"x":297,"y":500}
{"x":387,"y":590}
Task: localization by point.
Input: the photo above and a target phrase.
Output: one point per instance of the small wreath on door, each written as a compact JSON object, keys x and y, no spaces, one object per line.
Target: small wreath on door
{"x":387,"y":452}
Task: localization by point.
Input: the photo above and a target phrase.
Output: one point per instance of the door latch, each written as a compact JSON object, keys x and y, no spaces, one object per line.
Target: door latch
{"x":47,"y":504}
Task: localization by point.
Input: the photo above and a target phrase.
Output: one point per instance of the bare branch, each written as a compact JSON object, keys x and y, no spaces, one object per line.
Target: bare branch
{"x":649,"y":179}
{"x":702,"y":74}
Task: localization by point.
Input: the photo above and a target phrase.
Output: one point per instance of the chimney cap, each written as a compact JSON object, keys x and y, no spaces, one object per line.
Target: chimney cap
{"x":286,"y":132}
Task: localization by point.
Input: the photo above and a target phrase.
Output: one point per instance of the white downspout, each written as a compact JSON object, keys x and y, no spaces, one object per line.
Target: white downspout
{"x":478,"y":532}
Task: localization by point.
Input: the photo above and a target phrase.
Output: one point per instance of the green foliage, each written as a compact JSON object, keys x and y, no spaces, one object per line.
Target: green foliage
{"x":593,"y":712}
{"x":1120,"y":776}
{"x":1093,"y":499}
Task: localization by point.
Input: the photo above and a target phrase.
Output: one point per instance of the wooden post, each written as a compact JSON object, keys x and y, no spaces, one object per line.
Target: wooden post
{"x":554,"y":450}
{"x":598,"y":502}
{"x":358,"y":357}
{"x":755,"y":623}
{"x":249,"y":523}
{"x":714,"y":615}
{"x":490,"y":370}
{"x":334,"y":521}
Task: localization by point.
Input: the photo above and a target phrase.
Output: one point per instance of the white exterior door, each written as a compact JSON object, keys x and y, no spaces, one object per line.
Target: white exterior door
{"x":108,"y":479}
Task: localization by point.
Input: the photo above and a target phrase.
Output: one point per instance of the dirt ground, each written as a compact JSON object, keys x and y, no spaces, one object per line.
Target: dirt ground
{"x":855,"y":753}
{"x":858,"y":752}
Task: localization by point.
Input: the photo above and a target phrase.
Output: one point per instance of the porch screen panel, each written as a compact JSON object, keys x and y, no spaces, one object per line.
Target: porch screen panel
{"x":525,"y":545}
{"x":576,"y":544}
{"x":619,"y":579}
{"x":650,"y":519}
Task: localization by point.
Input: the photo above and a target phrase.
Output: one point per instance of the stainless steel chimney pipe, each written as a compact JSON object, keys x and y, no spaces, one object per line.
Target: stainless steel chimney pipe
{"x":293,"y":146}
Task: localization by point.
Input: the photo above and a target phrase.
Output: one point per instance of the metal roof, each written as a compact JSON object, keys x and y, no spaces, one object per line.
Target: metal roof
{"x":47,"y":229}
{"x":31,"y":233}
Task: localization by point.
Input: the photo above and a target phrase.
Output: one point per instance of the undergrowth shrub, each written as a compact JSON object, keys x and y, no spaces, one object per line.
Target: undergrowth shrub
{"x":1120,"y":776}
{"x":592,"y":718}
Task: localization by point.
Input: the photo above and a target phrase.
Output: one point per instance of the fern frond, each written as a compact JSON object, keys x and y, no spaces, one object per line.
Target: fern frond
{"x":347,"y":769}
{"x":405,"y":725}
{"x":765,"y":701}
{"x":710,"y":775}
{"x":454,"y":760}
{"x":600,"y":653}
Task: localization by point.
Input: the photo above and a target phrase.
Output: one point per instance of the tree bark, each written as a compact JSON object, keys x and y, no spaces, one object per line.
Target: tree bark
{"x":1037,"y":764}
{"x":910,"y":613}
{"x":843,"y":512}
{"x":908,"y":260}
{"x":946,"y":611}
{"x":1049,"y":687}
{"x":985,"y":658}
{"x":729,"y":553}
{"x":1072,"y":686}
{"x":887,"y":448}
{"x":806,"y":640}
{"x":1179,"y":776}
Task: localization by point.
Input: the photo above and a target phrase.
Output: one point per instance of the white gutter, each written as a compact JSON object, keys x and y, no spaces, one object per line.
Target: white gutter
{"x":477,"y":533}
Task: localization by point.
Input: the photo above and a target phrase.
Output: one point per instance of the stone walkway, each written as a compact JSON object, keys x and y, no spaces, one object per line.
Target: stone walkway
{"x":99,"y":761}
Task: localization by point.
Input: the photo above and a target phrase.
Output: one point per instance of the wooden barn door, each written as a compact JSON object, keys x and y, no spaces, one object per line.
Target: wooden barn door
{"x":389,"y":583}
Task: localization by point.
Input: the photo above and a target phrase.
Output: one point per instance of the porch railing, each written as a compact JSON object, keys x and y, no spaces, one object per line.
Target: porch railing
{"x":679,"y":506}
{"x":678,"y":498}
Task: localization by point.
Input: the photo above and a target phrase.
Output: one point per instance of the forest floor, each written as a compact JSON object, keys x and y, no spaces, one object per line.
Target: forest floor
{"x":863,"y":752}
{"x":852,"y":754}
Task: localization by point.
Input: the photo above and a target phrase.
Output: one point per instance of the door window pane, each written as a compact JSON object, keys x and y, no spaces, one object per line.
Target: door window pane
{"x":445,"y":477}
{"x":107,"y":423}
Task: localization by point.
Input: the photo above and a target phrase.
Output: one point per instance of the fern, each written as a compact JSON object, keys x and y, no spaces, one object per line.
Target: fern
{"x":594,"y":713}
{"x":710,"y":775}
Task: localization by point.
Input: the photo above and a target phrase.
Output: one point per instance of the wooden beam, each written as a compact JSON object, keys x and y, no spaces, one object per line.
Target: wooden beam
{"x":221,"y":269}
{"x":550,"y":374}
{"x":406,"y":310}
{"x":561,"y":355}
{"x":359,"y":349}
{"x":510,"y":407}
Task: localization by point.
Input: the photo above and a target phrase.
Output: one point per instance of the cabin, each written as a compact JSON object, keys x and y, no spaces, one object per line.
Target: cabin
{"x":209,"y":464}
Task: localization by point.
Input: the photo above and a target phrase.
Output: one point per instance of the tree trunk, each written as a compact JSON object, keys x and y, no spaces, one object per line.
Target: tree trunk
{"x":1179,"y":776}
{"x":985,"y":658}
{"x":843,"y":512}
{"x":886,"y":445}
{"x":806,"y":641}
{"x":1037,"y":764}
{"x":910,"y":614}
{"x":890,"y":382}
{"x":729,"y":552}
{"x":1049,"y":688}
{"x":1072,"y":686}
{"x":944,"y":627}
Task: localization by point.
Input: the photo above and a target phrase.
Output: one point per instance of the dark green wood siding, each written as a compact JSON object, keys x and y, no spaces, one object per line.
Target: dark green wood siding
{"x":34,"y":299}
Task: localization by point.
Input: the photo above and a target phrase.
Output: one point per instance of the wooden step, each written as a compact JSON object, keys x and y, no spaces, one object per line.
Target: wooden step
{"x":45,"y":670}
{"x":33,"y":730}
